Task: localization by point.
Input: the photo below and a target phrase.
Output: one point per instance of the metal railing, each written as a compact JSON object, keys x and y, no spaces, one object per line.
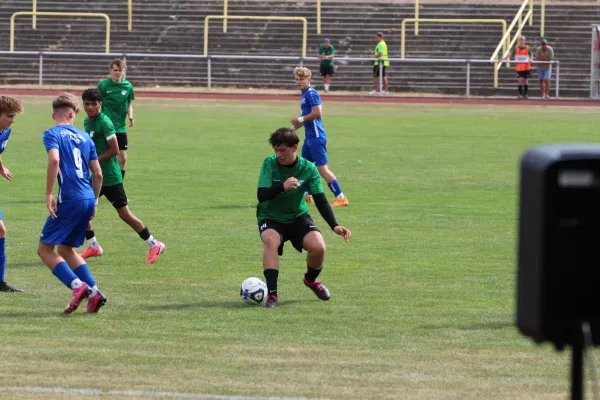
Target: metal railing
{"x":521,"y":24}
{"x":445,"y":21}
{"x":257,"y":18}
{"x":226,"y":17}
{"x":130,"y":57}
{"x":59,"y":14}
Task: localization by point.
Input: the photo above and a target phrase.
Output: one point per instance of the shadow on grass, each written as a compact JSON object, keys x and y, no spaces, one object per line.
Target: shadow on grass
{"x":24,"y":202}
{"x":473,"y":327}
{"x":232,"y":206}
{"x":36,"y":263}
{"x":215,"y":304}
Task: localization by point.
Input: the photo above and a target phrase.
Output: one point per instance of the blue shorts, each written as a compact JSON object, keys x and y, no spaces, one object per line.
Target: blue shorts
{"x":70,"y":224}
{"x":315,"y":150}
{"x":544,"y":74}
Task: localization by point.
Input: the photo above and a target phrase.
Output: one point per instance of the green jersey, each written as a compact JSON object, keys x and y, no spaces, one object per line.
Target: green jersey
{"x":326,"y":52}
{"x":290,"y":204}
{"x":115,"y":101}
{"x":101,"y":130}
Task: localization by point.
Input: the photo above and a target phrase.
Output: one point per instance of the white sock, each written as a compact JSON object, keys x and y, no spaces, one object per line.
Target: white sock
{"x":340,"y":196}
{"x":94,"y":291}
{"x":151,"y":242}
{"x":93,"y":243}
{"x":326,"y":86}
{"x":306,"y":195}
{"x":76,"y":283}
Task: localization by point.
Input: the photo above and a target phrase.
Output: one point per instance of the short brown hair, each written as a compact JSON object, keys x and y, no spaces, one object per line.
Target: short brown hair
{"x":66,"y":100}
{"x":10,"y":105}
{"x":119,"y":63}
{"x":285,"y":136}
{"x":380,"y":34}
{"x":302,"y":72}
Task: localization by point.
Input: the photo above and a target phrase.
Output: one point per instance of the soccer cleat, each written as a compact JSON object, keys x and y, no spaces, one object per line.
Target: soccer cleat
{"x":95,"y":302}
{"x":154,"y":252}
{"x":525,"y":97}
{"x":385,"y":92}
{"x":321,"y":291}
{"x":92,"y":252}
{"x":340,"y":202}
{"x":5,"y":287}
{"x":308,"y":199}
{"x":373,"y":92}
{"x":79,"y":294}
{"x":272,"y":301}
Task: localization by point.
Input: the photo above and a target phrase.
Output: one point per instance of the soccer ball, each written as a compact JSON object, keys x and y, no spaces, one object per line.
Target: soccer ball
{"x":253,"y":291}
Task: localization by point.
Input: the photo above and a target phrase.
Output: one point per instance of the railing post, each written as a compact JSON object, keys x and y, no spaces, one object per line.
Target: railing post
{"x":417,"y":17}
{"x":129,"y":15}
{"x":124,"y":58}
{"x":301,"y":63}
{"x":557,"y":88}
{"x":34,"y":17}
{"x":531,"y":15}
{"x":318,"y":17}
{"x":380,"y":76}
{"x":209,"y":73}
{"x":468,"y":78}
{"x":41,"y":73}
{"x":224,"y":14}
{"x":543,"y":21}
{"x":402,"y":38}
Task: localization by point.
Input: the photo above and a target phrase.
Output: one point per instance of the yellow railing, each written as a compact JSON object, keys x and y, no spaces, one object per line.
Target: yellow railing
{"x":448,"y":21}
{"x":522,"y":20}
{"x":58,"y":14}
{"x":256,"y":18}
{"x":225,"y":10}
{"x":129,"y":14}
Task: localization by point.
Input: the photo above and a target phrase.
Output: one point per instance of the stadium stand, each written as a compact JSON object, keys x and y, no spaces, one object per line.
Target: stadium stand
{"x":161,"y":26}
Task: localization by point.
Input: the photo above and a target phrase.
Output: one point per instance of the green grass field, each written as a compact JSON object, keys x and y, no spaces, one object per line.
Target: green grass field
{"x":423,"y":296}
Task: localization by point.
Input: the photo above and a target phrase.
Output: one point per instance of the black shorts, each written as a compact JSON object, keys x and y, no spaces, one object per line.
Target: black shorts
{"x":326,"y":70}
{"x":376,"y":71}
{"x":294,"y":231}
{"x":115,"y":194}
{"x":122,"y":140}
{"x":523,"y":74}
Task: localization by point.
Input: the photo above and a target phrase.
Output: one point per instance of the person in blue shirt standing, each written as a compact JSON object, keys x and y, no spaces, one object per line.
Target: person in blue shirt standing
{"x":71,"y":157}
{"x":9,"y":108}
{"x":314,"y":148}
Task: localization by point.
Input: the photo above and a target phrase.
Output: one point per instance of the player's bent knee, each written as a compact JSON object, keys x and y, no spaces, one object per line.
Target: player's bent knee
{"x":314,"y":243}
{"x":271,"y":239}
{"x":2,"y":230}
{"x":64,"y":251}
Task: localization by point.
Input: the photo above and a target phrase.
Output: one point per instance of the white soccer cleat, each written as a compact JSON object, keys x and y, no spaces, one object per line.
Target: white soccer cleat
{"x":373,"y":91}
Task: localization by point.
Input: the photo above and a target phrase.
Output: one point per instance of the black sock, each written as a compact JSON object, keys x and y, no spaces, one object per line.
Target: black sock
{"x":123,"y":173}
{"x":144,"y":234}
{"x":89,"y":234}
{"x":271,"y":275}
{"x":520,"y":89}
{"x":526,"y":88}
{"x":312,"y":274}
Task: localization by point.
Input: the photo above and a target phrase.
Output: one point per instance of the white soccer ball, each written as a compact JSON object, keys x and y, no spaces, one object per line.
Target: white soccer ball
{"x":253,"y":291}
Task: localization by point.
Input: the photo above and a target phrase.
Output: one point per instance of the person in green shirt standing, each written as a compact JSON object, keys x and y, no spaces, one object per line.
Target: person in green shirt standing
{"x":118,"y":96}
{"x":544,"y":71}
{"x":282,"y":212}
{"x":103,"y":133}
{"x":326,"y":54}
{"x":381,"y":53}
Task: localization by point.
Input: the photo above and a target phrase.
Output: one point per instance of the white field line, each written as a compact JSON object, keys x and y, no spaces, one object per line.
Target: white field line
{"x":139,"y":393}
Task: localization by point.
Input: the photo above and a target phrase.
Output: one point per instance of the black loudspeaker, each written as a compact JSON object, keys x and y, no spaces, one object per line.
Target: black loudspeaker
{"x":558,"y":283}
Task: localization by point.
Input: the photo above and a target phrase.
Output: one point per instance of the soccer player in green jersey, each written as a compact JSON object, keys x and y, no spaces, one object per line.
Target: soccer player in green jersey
{"x":283,"y":215}
{"x":117,"y":94}
{"x":325,"y":54}
{"x":101,"y":130}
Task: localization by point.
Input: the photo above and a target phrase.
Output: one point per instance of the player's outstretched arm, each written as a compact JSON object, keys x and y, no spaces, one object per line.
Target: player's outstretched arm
{"x":96,"y":177}
{"x":51,"y":174}
{"x":4,"y":171}
{"x":327,"y":214}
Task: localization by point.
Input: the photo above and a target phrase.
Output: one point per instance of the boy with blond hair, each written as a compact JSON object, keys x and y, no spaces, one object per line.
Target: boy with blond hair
{"x":314,"y":148}
{"x":9,"y":108}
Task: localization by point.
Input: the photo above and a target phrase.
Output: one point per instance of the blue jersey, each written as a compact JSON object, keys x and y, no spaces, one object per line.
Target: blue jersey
{"x":4,"y":135}
{"x":75,"y":149}
{"x":314,"y":128}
